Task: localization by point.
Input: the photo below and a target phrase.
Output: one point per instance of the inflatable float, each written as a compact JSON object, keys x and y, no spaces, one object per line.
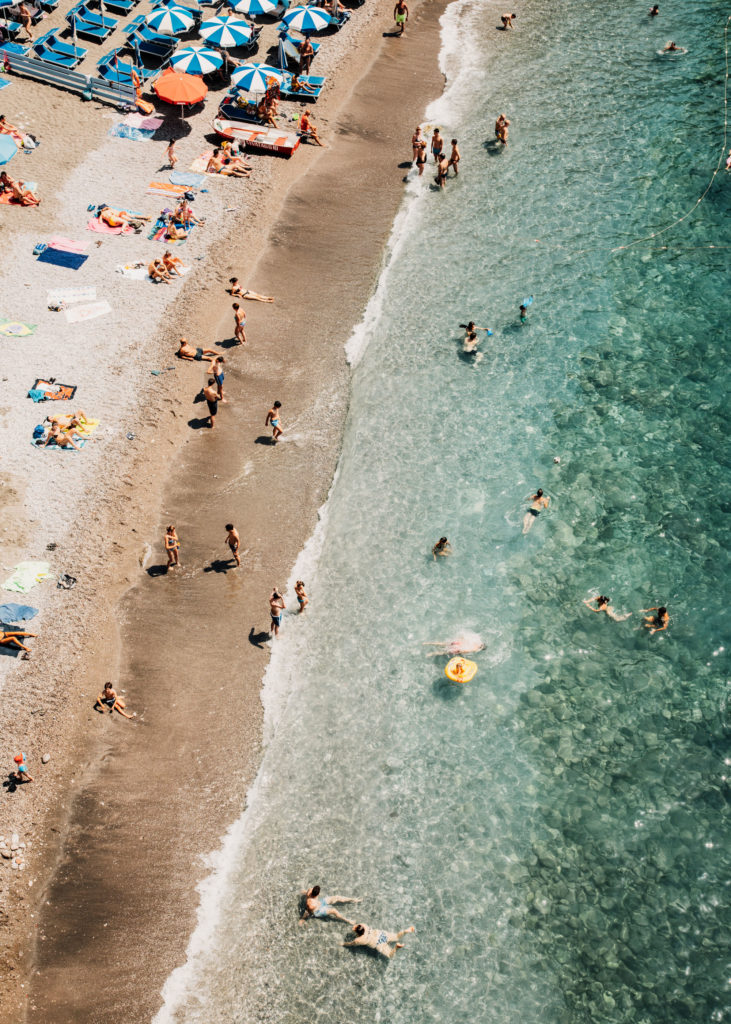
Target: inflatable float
{"x":460,"y":670}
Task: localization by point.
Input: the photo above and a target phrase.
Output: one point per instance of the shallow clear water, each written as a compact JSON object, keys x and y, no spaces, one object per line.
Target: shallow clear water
{"x":556,"y":830}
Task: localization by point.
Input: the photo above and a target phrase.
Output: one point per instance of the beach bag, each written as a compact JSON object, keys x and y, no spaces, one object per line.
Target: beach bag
{"x":38,"y":432}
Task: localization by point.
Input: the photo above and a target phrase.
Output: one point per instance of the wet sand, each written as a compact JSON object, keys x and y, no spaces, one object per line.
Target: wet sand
{"x":191,"y":654}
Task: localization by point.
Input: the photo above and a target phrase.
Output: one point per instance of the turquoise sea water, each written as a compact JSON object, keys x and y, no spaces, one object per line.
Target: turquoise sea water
{"x":557,"y":829}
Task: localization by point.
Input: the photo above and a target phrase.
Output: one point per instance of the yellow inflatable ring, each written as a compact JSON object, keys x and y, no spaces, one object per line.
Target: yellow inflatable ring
{"x":460,"y":670}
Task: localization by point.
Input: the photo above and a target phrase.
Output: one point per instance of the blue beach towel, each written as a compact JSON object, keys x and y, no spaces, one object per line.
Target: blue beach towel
{"x":60,"y":258}
{"x":17,"y":612}
{"x":187,"y":178}
{"x":4,"y":82}
{"x":128,"y":131}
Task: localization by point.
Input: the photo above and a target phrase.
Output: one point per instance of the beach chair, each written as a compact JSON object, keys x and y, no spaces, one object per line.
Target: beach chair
{"x":113,"y":61}
{"x":65,"y":49}
{"x":161,"y":51}
{"x":49,"y":5}
{"x":138,"y":27}
{"x":122,"y":7}
{"x":14,"y":48}
{"x":83,"y":12}
{"x":233,"y":110}
{"x":313,"y":87}
{"x":44,"y":53}
{"x":339,"y":20}
{"x":85,"y":29}
{"x":9,"y":29}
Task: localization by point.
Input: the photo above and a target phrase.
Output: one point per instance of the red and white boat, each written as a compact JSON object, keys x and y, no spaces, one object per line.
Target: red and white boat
{"x":273,"y":140}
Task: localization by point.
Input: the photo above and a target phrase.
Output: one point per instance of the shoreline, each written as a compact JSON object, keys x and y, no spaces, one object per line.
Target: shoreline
{"x":284,"y":269}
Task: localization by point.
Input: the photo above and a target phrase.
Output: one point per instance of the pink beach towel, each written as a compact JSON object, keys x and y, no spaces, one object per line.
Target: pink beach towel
{"x":104,"y":229}
{"x":67,"y":244}
{"x":151,"y":124}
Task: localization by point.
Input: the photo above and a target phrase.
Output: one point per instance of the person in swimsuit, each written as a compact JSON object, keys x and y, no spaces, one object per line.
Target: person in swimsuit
{"x":400,"y":16}
{"x":219,"y":376}
{"x":437,"y":145}
{"x":307,"y":52}
{"x":210,"y":393}
{"x":316,"y":905}
{"x":234,"y":542}
{"x":507,"y":20}
{"x":470,"y":343}
{"x":421,"y":155}
{"x":602,"y":605}
{"x":307,"y":129}
{"x":170,"y":154}
{"x":108,"y":699}
{"x":654,"y":11}
{"x":239,"y":324}
{"x":385,"y":943}
{"x":538,"y":503}
{"x":454,"y":157}
{"x":172,"y":547}
{"x":56,"y":435}
{"x":236,"y":290}
{"x":273,"y":420}
{"x":172,"y":263}
{"x":299,"y":589}
{"x":158,"y":272}
{"x":416,"y":140}
{"x":442,"y":547}
{"x":670,"y":47}
{"x":276,"y":607}
{"x":24,"y":195}
{"x":442,"y":171}
{"x":501,"y":129}
{"x":186,"y":351}
{"x":26,"y":20}
{"x":21,"y":774}
{"x":469,"y":644}
{"x":12,"y":638}
{"x":656,"y":623}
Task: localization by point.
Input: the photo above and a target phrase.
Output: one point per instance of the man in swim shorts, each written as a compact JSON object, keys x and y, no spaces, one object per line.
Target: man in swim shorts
{"x":454,"y":157}
{"x":538,"y":502}
{"x":320,"y":906}
{"x":210,"y":393}
{"x":273,"y":419}
{"x":186,"y":351}
{"x":276,"y":607}
{"x":400,"y":16}
{"x":219,"y":376}
{"x":379,"y":940}
{"x":437,"y":145}
{"x":234,"y":542}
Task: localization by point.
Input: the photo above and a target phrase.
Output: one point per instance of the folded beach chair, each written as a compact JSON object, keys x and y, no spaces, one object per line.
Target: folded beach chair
{"x":47,"y":55}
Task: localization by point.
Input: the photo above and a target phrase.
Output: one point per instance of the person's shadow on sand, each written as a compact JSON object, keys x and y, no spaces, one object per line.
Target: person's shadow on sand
{"x":264,"y":439}
{"x":493,"y":146}
{"x":221,"y":565}
{"x":227,"y":343}
{"x":11,"y":783}
{"x":157,"y":570}
{"x":258,"y":639}
{"x":199,"y":424}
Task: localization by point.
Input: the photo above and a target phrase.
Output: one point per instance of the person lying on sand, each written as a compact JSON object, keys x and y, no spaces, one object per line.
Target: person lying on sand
{"x":244,"y":293}
{"x":157,"y":271}
{"x":467,"y":643}
{"x":235,"y":168}
{"x":379,"y":940}
{"x":307,"y":128}
{"x":186,"y":351}
{"x":24,"y":195}
{"x":108,"y":700}
{"x":70,"y":421}
{"x":9,"y":638}
{"x":121,"y":218}
{"x":316,"y":905}
{"x":57,"y":436}
{"x":171,"y":263}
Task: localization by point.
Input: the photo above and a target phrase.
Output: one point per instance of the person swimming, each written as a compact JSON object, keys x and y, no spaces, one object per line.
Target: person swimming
{"x":538,"y":503}
{"x":602,"y":605}
{"x":442,"y":547}
{"x":656,"y":623}
{"x":465,"y":643}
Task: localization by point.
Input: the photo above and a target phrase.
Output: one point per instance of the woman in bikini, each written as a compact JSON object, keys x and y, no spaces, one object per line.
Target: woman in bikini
{"x":539,"y":502}
{"x":172,"y":547}
{"x":303,"y":599}
{"x":322,"y":906}
{"x":601,"y":604}
{"x":24,"y":195}
{"x":10,"y":638}
{"x":58,"y":437}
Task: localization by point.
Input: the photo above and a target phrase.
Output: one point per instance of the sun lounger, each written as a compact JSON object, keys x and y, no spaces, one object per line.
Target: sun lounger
{"x":313,"y":87}
{"x":83,"y":12}
{"x":157,"y":46}
{"x":44,"y":53}
{"x":14,"y":48}
{"x":10,"y":29}
{"x":83,"y":28}
{"x":232,"y":110}
{"x":122,"y":7}
{"x":65,"y":49}
{"x":49,"y":5}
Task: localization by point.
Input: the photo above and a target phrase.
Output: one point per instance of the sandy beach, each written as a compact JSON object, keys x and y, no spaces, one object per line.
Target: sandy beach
{"x":118,"y":822}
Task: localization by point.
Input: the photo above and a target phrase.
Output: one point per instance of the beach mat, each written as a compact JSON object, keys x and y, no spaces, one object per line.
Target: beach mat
{"x":128,"y":131}
{"x":26,"y":575}
{"x":165,"y":190}
{"x":201,"y":162}
{"x":186,"y":178}
{"x":40,"y":442}
{"x":77,"y":314}
{"x":59,"y":258}
{"x":67,"y":244}
{"x":80,"y":293}
{"x":16,"y":328}
{"x":51,"y":391}
{"x":17,"y":612}
{"x":102,"y":228}
{"x":133,"y":271}
{"x":157,"y":233}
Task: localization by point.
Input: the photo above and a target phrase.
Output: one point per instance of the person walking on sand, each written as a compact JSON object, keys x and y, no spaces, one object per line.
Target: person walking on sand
{"x":656,"y":623}
{"x":109,"y":701}
{"x":239,"y":324}
{"x":385,"y":943}
{"x":538,"y":502}
{"x":21,"y":773}
{"x":437,"y":145}
{"x":303,"y":599}
{"x":210,"y":393}
{"x":219,"y":376}
{"x":400,"y":16}
{"x":172,"y":547}
{"x":601,"y":604}
{"x":273,"y":420}
{"x":170,"y":154}
{"x":416,"y":139}
{"x":234,"y":542}
{"x":316,"y":905}
{"x":454,"y":157}
{"x":276,"y":607}
{"x":441,"y":548}
{"x":26,"y":20}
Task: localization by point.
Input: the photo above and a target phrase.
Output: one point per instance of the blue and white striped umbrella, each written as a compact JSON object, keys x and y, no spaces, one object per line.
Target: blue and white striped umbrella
{"x":254,"y":7}
{"x":227,"y":32}
{"x":196,"y":60}
{"x":255,"y":77}
{"x":307,"y":19}
{"x":170,"y":20}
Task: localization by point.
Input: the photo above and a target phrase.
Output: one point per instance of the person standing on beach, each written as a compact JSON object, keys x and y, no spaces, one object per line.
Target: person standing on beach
{"x":276,"y":607}
{"x":382,"y":942}
{"x":26,"y":20}
{"x":454,"y":157}
{"x":210,"y":393}
{"x":299,"y":589}
{"x":234,"y":542}
{"x":239,"y":324}
{"x":306,"y":54}
{"x":273,"y":421}
{"x":421,"y":156}
{"x":538,"y":502}
{"x":219,"y":376}
{"x":21,"y":773}
{"x":400,"y":16}
{"x":437,"y":145}
{"x":442,"y":170}
{"x":416,"y":140}
{"x":507,"y":20}
{"x":172,"y":547}
{"x":170,"y":154}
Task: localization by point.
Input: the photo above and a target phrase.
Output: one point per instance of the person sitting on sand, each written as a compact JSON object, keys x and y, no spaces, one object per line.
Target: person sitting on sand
{"x":121,"y":218}
{"x":12,"y":638}
{"x":197,"y":355}
{"x":244,"y":293}
{"x":322,"y":907}
{"x":468,"y":643}
{"x":57,"y":436}
{"x":171,"y":263}
{"x":109,"y":701}
{"x":24,"y":195}
{"x":265,"y":111}
{"x":538,"y":502}
{"x":656,"y":623}
{"x":442,"y":547}
{"x":216,"y":166}
{"x":307,"y":129}
{"x":382,"y":942}
{"x":173,"y":232}
{"x":157,"y":271}
{"x":185,"y":216}
{"x":603,"y":605}
{"x":507,"y":20}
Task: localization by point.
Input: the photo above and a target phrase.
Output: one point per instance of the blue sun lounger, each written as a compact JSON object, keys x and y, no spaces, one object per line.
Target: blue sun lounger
{"x":123,"y":69}
{"x":156,"y":48}
{"x":313,"y":87}
{"x":46,"y":54}
{"x":83,"y":28}
{"x":65,"y":49}
{"x":83,"y":12}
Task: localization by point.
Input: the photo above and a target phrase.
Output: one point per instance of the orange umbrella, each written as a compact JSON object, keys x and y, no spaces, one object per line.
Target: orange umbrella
{"x":177,"y":87}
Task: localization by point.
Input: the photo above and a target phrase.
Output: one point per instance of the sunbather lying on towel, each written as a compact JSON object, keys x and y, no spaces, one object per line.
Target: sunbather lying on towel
{"x":57,"y":436}
{"x":158,"y":271}
{"x":235,"y":168}
{"x":121,"y":218}
{"x":69,"y":422}
{"x":197,"y":355}
{"x":24,"y":195}
{"x":244,"y":293}
{"x":9,"y":638}
{"x":307,"y":128}
{"x":171,"y":263}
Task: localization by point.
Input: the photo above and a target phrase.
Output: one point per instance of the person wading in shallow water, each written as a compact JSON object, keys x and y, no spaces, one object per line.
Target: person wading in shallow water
{"x":276,"y":607}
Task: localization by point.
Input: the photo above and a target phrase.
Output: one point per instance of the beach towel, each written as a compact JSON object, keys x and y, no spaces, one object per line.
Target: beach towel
{"x":59,"y":258}
{"x":128,"y":131}
{"x":77,"y":314}
{"x":134,"y":271}
{"x":201,"y":162}
{"x":134,"y":119}
{"x":67,"y":244}
{"x":165,"y":190}
{"x":186,"y":178}
{"x":26,"y":575}
{"x":82,"y":293}
{"x":157,"y":232}
{"x":17,"y":612}
{"x":40,"y":442}
{"x":86,"y":428}
{"x":16,"y":328}
{"x":103,"y":228}
{"x":4,"y":82}
{"x":8,"y":199}
{"x":51,"y":391}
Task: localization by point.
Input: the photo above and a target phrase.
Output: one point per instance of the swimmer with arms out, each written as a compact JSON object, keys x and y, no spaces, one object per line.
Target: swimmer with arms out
{"x":672,"y":47}
{"x":469,"y":643}
{"x":603,"y":605}
{"x":385,"y":943}
{"x":656,"y":623}
{"x":538,"y":502}
{"x":323,"y":906}
{"x":442,"y":547}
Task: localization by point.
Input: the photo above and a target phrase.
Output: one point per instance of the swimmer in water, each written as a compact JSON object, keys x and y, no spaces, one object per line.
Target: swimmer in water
{"x":523,"y":310}
{"x":656,"y":623}
{"x":470,"y":342}
{"x":460,"y":645}
{"x":670,"y":47}
{"x":322,"y":906}
{"x":442,"y":547}
{"x":603,"y":605}
{"x":538,"y":502}
{"x":654,"y":11}
{"x":379,"y":940}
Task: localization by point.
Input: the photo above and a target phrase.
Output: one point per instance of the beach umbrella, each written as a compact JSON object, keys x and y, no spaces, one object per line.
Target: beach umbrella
{"x":196,"y":60}
{"x":169,"y":21}
{"x":255,"y":77}
{"x":8,"y":148}
{"x":254,"y":7}
{"x":177,"y":87}
{"x":307,"y":19}
{"x":227,"y":32}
